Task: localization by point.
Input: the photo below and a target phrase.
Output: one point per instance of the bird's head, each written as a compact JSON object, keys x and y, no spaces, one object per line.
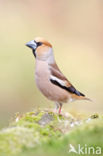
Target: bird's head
{"x":41,"y":48}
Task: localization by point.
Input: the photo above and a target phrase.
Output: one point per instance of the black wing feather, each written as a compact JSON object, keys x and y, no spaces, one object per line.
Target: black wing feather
{"x":70,"y":89}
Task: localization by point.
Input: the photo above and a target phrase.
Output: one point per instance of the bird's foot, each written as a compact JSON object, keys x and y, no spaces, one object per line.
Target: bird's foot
{"x":60,"y":112}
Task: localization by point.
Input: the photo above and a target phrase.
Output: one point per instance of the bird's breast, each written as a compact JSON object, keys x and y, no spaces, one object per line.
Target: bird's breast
{"x":42,"y":78}
{"x":42,"y":74}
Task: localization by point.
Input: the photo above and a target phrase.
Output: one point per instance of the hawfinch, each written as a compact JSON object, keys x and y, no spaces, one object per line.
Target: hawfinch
{"x":49,"y":79}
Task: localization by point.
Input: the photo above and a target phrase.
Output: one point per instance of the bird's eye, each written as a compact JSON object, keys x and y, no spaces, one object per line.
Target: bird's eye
{"x":39,"y":44}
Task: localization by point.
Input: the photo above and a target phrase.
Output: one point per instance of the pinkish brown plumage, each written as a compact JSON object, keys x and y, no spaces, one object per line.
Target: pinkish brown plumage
{"x":49,"y":79}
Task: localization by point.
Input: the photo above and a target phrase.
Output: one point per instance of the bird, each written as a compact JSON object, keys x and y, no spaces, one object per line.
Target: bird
{"x":49,"y":78}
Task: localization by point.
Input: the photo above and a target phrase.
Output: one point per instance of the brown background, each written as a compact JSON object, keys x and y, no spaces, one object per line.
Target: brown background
{"x":75,"y":28}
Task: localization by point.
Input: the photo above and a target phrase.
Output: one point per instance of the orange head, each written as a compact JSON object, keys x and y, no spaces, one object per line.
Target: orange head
{"x":41,"y":48}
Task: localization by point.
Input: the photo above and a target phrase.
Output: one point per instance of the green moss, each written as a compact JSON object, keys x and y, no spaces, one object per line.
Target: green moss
{"x":89,"y":134}
{"x":32,"y":116}
{"x":46,"y":133}
{"x":13,"y":139}
{"x":28,"y":131}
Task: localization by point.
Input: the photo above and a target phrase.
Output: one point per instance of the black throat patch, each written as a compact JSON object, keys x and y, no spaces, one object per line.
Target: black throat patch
{"x":34,"y":53}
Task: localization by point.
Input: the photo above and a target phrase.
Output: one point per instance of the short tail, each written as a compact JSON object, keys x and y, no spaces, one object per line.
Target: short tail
{"x":85,"y":98}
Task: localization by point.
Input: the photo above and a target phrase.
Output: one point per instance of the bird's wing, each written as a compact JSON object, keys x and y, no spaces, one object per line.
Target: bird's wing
{"x":57,"y":78}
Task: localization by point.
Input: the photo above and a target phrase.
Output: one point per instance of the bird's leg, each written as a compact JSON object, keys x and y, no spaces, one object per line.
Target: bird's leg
{"x":60,"y":107}
{"x":56,"y":107}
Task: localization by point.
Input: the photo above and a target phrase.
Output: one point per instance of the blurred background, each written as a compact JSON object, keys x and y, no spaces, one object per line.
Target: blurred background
{"x":75,"y":28}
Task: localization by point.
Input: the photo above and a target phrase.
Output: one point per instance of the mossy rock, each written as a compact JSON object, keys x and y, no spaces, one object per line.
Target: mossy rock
{"x":37,"y":132}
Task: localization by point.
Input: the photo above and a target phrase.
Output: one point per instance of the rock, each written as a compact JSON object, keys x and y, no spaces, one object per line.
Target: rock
{"x":47,"y":131}
{"x":45,"y":119}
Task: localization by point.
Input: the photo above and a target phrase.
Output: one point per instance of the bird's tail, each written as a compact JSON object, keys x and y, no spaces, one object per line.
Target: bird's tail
{"x":85,"y":98}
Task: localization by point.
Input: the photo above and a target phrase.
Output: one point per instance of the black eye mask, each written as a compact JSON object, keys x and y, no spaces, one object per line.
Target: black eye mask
{"x":39,"y":44}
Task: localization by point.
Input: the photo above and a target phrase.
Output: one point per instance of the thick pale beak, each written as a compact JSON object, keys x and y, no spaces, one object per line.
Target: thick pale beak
{"x":31,"y":44}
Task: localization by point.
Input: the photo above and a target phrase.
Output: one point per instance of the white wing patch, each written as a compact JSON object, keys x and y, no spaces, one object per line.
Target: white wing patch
{"x":61,"y":82}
